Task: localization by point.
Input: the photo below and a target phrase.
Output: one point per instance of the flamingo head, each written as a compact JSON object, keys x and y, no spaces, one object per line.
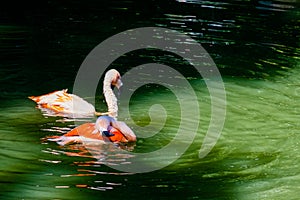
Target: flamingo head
{"x":113,"y":77}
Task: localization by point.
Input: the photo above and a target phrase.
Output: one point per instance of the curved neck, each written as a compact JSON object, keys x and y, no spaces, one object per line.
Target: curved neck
{"x":111,"y":99}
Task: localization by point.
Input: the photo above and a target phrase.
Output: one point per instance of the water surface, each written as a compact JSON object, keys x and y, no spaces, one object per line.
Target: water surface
{"x":255,"y":44}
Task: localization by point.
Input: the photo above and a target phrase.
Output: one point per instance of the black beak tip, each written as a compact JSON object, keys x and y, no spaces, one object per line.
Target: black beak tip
{"x":107,"y":134}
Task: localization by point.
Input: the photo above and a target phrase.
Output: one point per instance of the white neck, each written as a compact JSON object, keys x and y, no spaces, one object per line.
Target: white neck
{"x":111,"y":99}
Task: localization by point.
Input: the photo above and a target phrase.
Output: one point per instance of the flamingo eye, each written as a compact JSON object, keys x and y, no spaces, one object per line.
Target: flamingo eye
{"x":116,"y":79}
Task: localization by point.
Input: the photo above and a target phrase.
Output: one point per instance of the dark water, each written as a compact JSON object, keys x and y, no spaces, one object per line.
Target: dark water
{"x":255,"y":45}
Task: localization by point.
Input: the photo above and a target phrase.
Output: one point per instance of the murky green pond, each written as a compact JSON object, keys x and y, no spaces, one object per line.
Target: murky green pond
{"x":255,"y":45}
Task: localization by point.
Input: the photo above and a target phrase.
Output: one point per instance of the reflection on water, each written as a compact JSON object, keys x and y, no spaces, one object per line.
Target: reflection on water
{"x":243,"y":37}
{"x":280,"y":6}
{"x":257,"y":156}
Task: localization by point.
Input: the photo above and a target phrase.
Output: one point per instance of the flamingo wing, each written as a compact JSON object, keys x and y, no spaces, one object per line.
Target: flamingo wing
{"x":87,"y":131}
{"x":61,"y":103}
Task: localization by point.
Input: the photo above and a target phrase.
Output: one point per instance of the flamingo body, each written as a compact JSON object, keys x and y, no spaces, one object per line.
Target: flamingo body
{"x":63,"y":103}
{"x":87,"y":130}
{"x":95,"y":131}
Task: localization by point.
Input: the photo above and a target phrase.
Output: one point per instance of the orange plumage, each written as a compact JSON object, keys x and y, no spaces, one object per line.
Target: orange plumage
{"x":87,"y":130}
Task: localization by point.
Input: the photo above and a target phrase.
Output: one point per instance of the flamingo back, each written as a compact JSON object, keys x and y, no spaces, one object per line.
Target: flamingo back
{"x":61,"y":102}
{"x":87,"y":130}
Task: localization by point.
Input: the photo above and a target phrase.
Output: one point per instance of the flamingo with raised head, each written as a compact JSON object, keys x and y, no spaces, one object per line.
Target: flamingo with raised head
{"x":61,"y":103}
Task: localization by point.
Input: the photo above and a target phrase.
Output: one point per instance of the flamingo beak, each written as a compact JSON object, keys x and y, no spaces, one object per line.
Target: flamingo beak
{"x":119,"y":84}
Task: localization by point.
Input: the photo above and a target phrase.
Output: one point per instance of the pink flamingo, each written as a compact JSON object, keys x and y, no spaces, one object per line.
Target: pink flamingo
{"x":61,"y":103}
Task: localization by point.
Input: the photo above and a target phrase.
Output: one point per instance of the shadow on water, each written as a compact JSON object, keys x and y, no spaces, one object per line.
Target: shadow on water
{"x":245,"y":38}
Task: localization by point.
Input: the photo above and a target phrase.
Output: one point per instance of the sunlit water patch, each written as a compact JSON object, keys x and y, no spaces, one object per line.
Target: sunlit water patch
{"x":256,"y":156}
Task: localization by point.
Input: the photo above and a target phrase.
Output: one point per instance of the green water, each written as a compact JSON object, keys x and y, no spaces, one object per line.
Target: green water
{"x":257,"y":155}
{"x":255,"y":158}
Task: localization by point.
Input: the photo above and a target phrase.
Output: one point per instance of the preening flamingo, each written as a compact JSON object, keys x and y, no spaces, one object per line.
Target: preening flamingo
{"x":106,"y":129}
{"x":61,"y":103}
